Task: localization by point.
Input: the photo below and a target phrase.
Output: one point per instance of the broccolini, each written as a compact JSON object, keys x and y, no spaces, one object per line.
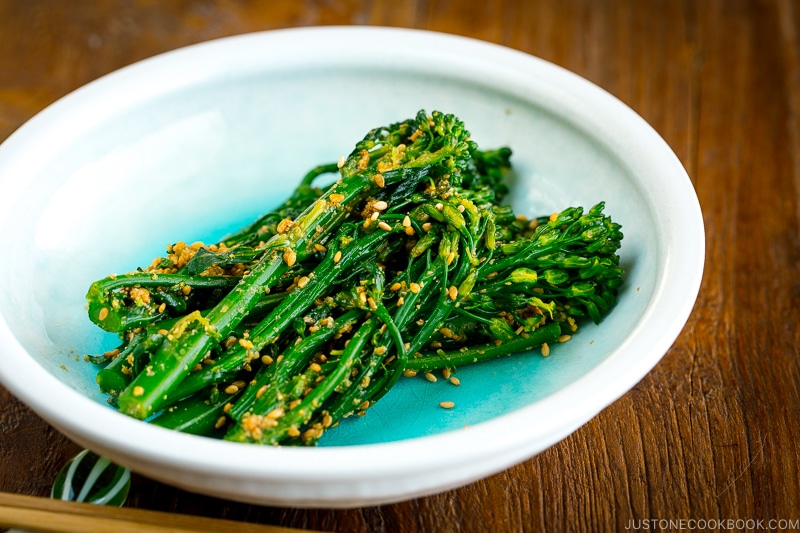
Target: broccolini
{"x":409,"y":262}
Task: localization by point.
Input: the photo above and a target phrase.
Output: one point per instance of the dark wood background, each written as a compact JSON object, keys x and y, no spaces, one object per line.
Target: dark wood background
{"x":712,"y":432}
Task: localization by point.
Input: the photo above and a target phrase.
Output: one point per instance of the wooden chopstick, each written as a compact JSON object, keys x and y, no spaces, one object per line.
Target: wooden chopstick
{"x":55,"y":516}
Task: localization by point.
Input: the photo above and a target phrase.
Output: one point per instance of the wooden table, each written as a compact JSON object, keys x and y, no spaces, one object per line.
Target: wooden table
{"x":712,"y":432}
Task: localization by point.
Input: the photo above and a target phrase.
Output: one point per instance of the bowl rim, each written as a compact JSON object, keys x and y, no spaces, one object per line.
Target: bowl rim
{"x":506,"y":435}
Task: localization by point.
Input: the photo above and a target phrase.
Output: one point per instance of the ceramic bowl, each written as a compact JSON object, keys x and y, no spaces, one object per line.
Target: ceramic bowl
{"x":194,"y":143}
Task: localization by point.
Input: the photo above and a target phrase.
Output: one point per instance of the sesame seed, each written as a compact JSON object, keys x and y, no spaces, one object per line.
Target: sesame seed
{"x":364,"y":406}
{"x":439,"y":206}
{"x":379,"y":181}
{"x":384,"y":226}
{"x":380,"y":205}
{"x":289,"y":257}
{"x":284,"y":225}
{"x":267,"y":360}
{"x":395,"y":287}
{"x":138,"y":390}
{"x":455,"y":381}
{"x":400,"y":301}
{"x":220,"y":422}
{"x":447,"y":405}
{"x":302,"y":282}
{"x":409,"y":373}
{"x":365,"y":382}
{"x":447,"y":332}
{"x":410,"y":231}
{"x":340,"y":163}
{"x":336,"y":198}
{"x":320,"y":248}
{"x":327,"y":420}
{"x":227,"y":407}
{"x":276,"y":413}
{"x":414,"y":287}
{"x":231,"y":389}
{"x":452,"y":292}
{"x":553,"y":217}
{"x":380,"y":350}
{"x":446,"y":373}
{"x":314,"y":367}
{"x":430,"y":377}
{"x":337,"y":256}
{"x":162,"y":308}
{"x":261,"y":391}
{"x":375,"y":215}
{"x":564,"y":338}
{"x":427,"y":226}
{"x":293,"y":432}
{"x":545,"y":349}
{"x":163,"y":332}
{"x":103,"y":314}
{"x":460,"y":208}
{"x":407,"y":221}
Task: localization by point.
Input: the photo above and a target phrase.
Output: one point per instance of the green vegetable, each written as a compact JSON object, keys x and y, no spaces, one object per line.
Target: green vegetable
{"x":409,"y":262}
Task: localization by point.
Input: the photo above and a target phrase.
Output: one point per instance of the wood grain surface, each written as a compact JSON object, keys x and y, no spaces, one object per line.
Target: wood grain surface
{"x":712,"y":432}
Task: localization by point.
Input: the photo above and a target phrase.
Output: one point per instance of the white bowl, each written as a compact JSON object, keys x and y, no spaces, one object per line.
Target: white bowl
{"x":193,"y":143}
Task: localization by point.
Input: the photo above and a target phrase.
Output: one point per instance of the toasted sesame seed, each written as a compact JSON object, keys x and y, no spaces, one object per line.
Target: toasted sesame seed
{"x":314,"y":367}
{"x":340,"y":163}
{"x":289,"y":257}
{"x":163,"y":332}
{"x":380,"y":350}
{"x":337,"y":256}
{"x":379,"y":181}
{"x":545,"y":349}
{"x":446,"y":373}
{"x":162,"y":307}
{"x":365,"y":382}
{"x":371,"y":302}
{"x":409,"y":373}
{"x":452,"y":292}
{"x":336,"y":198}
{"x":395,"y":287}
{"x":427,"y":226}
{"x":407,"y":221}
{"x":261,"y":391}
{"x":553,"y":217}
{"x":447,"y":332}
{"x":380,"y":205}
{"x":430,"y":377}
{"x":276,"y":413}
{"x":439,"y":206}
{"x":302,"y":282}
{"x":138,"y":390}
{"x":564,"y":338}
{"x":293,"y":432}
{"x":400,"y":301}
{"x":320,"y":248}
{"x":103,"y":314}
{"x":460,"y":208}
{"x":284,"y":225}
{"x":327,"y":420}
{"x":220,"y":422}
{"x":447,"y":405}
{"x":231,"y":389}
{"x":267,"y":360}
{"x":384,"y":226}
{"x":364,"y":406}
{"x":227,"y":407}
{"x":455,"y":381}
{"x":375,"y":215}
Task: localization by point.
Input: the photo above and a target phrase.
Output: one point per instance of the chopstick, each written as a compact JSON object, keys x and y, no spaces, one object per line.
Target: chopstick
{"x":55,"y":516}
